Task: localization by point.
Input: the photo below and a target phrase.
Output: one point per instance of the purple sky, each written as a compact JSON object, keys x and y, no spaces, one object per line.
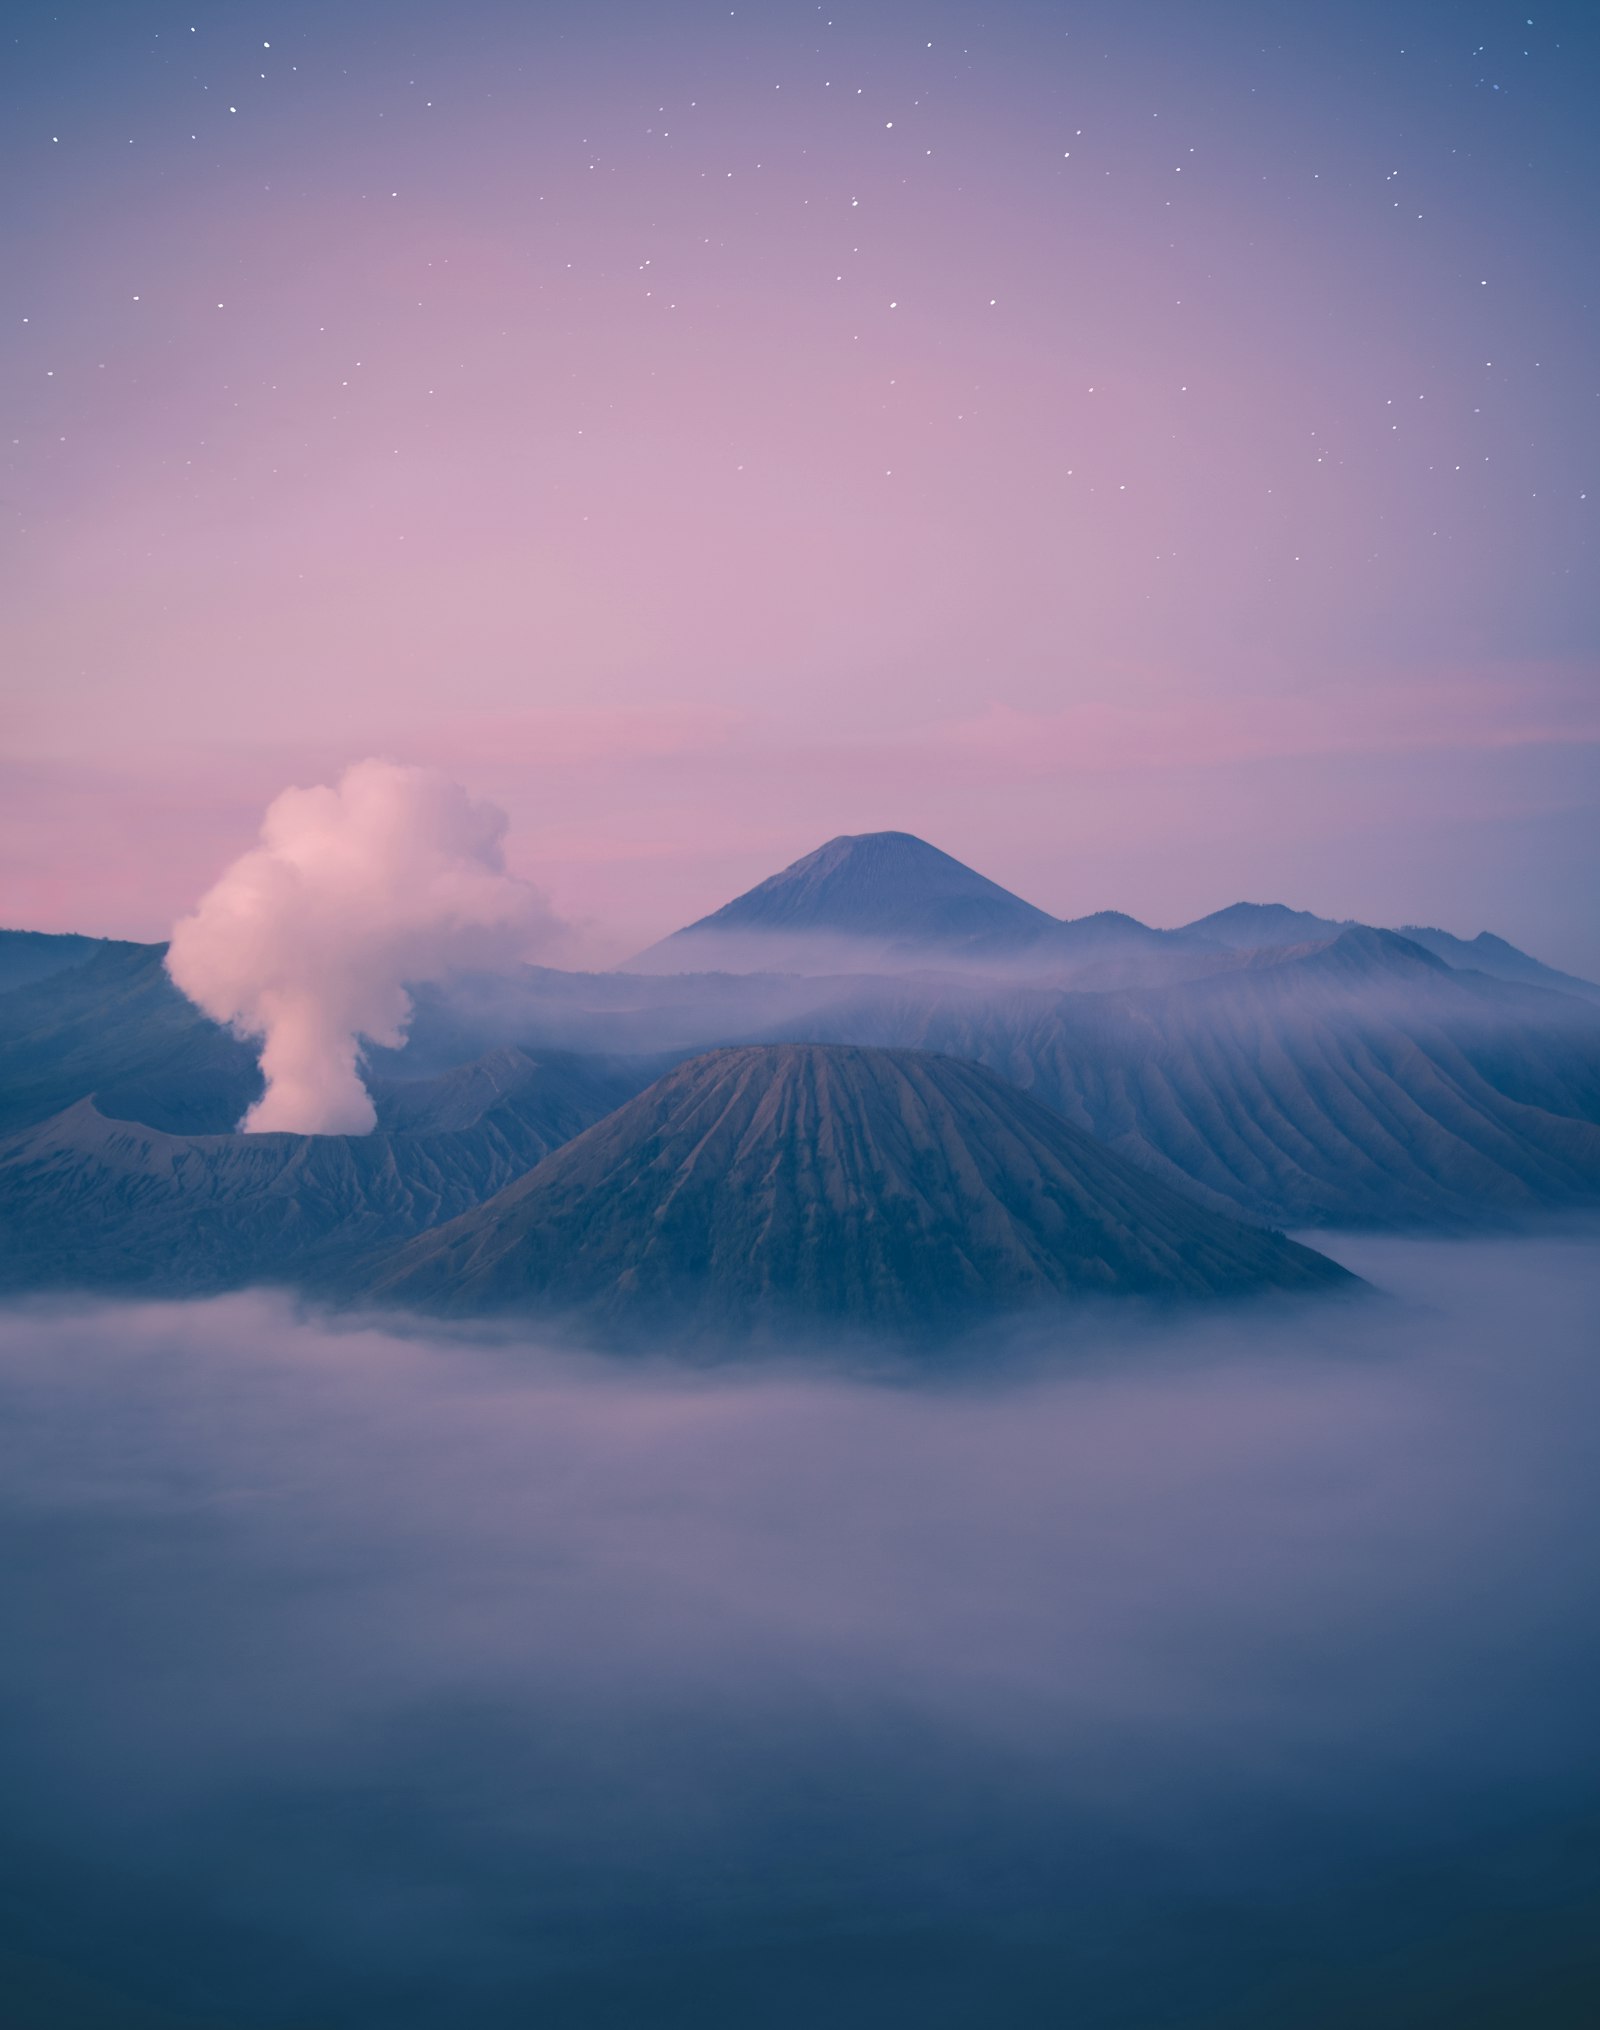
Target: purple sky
{"x":1148,"y":450}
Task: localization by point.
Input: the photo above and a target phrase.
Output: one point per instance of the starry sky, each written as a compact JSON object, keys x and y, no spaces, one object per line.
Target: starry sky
{"x":1148,"y":449}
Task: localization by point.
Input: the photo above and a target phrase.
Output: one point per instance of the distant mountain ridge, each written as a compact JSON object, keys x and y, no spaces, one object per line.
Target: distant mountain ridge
{"x":1489,"y":954}
{"x":29,"y":955}
{"x":832,"y":1184}
{"x":113,"y":1023}
{"x":1363,"y":1082}
{"x":1264,"y":926}
{"x":874,"y":892}
{"x":1268,"y":1063}
{"x":1272,"y":926}
{"x":889,"y":901}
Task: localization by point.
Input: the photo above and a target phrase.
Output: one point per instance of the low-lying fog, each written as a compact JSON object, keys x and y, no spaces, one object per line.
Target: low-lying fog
{"x":1239,"y":1675}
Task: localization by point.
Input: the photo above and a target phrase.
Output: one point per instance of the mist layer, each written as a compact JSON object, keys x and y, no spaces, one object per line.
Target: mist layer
{"x":1230,"y":1675}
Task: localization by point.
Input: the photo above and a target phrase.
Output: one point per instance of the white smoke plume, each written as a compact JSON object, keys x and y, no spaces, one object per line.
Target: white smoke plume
{"x":392,"y":876}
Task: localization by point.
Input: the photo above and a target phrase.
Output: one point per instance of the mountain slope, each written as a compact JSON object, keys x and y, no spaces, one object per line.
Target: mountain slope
{"x":1360,"y":1080}
{"x":1361,"y":1083}
{"x":868,"y":1186}
{"x":853,"y":898}
{"x":116,"y":1025}
{"x":1271,"y":926}
{"x":29,"y":955}
{"x":88,"y":1199}
{"x":1263,"y":926}
{"x":1489,"y":954}
{"x":879,"y":884}
{"x":885,"y":901}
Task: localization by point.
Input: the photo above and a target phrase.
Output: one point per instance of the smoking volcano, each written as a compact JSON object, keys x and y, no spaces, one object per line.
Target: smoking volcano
{"x":311,"y":939}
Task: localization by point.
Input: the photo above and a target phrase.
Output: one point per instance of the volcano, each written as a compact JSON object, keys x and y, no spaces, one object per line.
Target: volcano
{"x":848,"y":905}
{"x":832,"y":1183}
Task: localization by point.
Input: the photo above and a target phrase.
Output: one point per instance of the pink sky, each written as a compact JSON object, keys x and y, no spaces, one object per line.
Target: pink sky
{"x":705,"y":444}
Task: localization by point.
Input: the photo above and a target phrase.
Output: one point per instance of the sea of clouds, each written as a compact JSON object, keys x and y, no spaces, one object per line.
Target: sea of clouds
{"x":1234,"y":1673}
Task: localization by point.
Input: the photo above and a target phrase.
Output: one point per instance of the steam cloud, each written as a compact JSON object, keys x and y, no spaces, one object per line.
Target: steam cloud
{"x":308,"y":940}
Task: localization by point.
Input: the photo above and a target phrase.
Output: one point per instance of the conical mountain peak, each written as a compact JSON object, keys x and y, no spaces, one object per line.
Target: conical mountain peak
{"x":849,"y":902}
{"x":833,"y":1183}
{"x":878,"y":884}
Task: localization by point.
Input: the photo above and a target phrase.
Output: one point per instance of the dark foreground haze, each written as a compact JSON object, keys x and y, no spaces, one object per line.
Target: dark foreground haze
{"x":1242,"y":1674}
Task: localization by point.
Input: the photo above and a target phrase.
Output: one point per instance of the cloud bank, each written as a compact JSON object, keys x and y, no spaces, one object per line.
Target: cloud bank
{"x":1233,"y":1673}
{"x":309,"y":941}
